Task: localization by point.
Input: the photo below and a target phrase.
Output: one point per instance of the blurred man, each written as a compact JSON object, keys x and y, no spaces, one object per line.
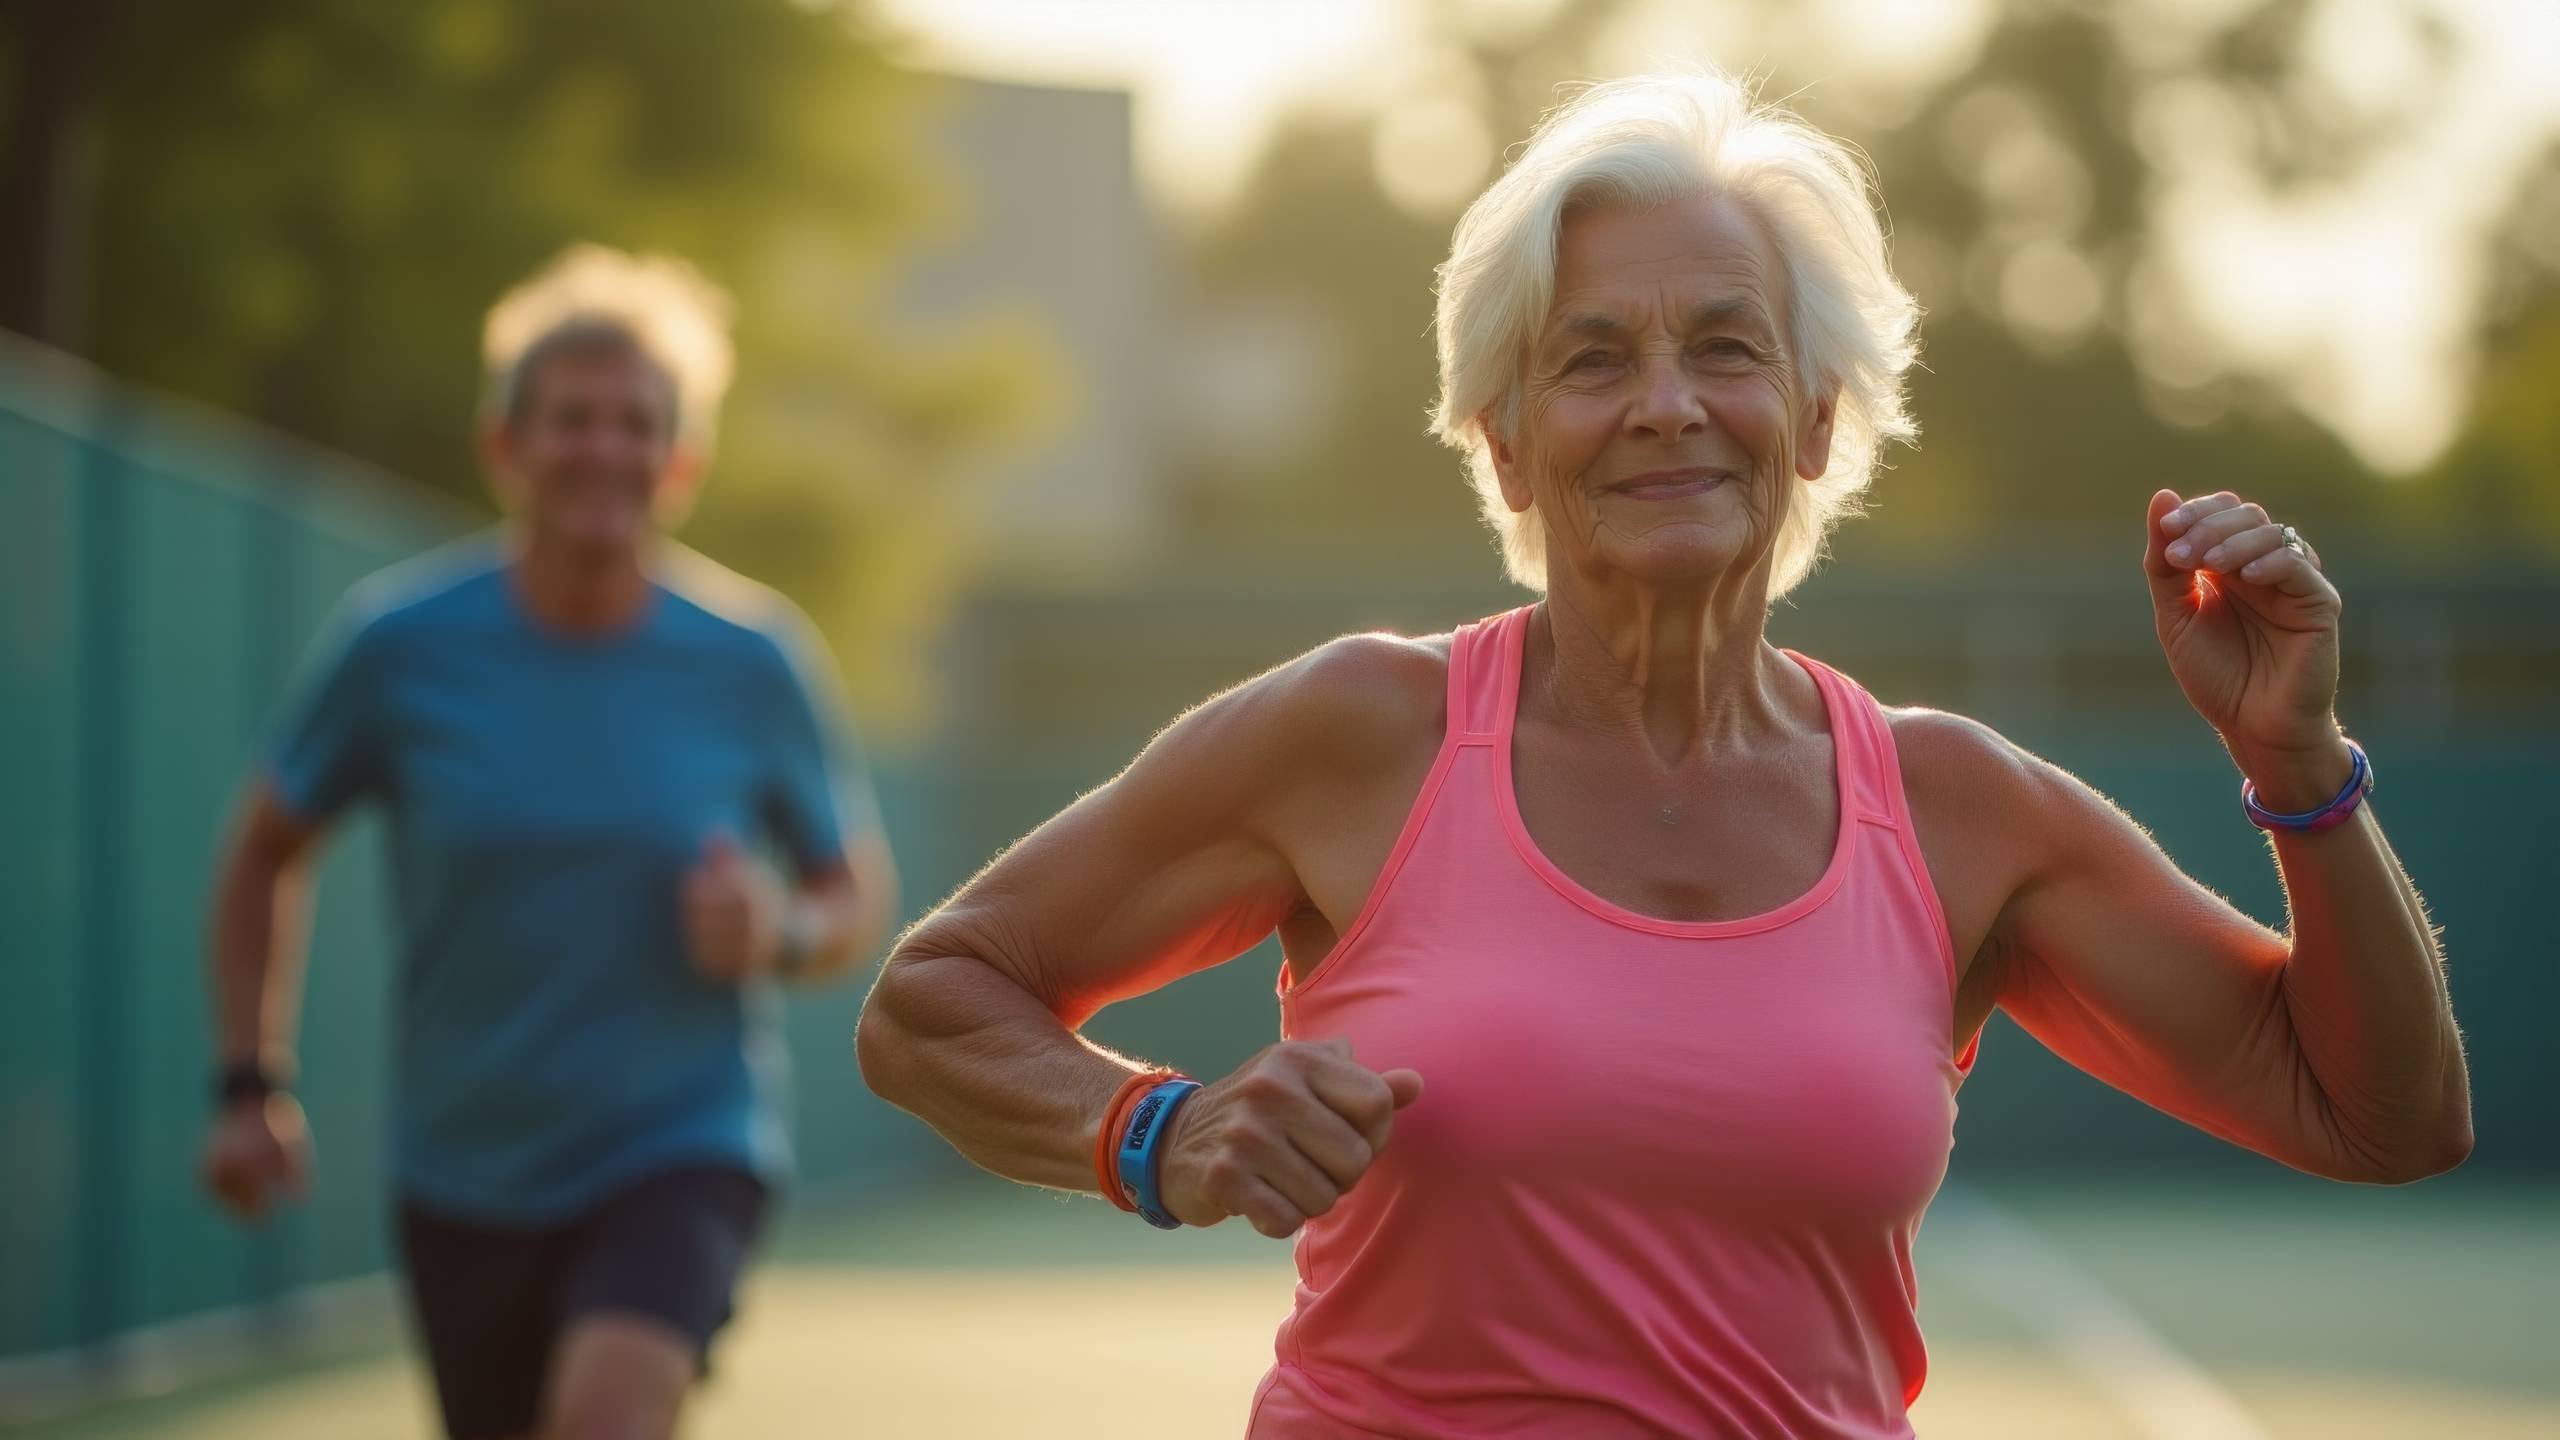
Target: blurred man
{"x":578,"y":733}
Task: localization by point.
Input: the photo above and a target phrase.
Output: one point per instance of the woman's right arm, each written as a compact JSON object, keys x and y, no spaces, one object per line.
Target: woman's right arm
{"x":1182,"y":861}
{"x":261,"y":918}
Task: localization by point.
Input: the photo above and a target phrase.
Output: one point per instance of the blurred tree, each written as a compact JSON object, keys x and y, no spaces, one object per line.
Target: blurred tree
{"x":49,"y":58}
{"x":303,"y":207}
{"x":2064,"y":375}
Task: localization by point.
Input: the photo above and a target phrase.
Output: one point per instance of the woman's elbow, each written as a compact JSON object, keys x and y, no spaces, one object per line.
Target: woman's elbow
{"x":2446,"y":1143}
{"x":881,"y":1045}
{"x":2420,"y":1157}
{"x":930,"y":995}
{"x":2448,"y":1148}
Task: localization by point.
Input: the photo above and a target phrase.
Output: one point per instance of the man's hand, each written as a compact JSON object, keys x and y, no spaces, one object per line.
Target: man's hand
{"x":259,"y":1152}
{"x":733,"y":913}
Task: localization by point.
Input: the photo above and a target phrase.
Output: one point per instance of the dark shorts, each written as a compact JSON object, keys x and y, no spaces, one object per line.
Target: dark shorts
{"x":492,"y":1303}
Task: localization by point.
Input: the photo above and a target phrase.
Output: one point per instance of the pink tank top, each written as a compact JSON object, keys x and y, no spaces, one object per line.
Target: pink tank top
{"x":1664,"y":1176}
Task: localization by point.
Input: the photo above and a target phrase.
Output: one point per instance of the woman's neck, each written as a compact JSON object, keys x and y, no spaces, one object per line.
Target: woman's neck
{"x":579,"y":592}
{"x":1685,"y":667}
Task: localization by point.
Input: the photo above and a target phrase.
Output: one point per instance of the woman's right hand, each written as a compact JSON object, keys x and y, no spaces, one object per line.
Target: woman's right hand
{"x":258,"y":1151}
{"x":1281,"y":1139}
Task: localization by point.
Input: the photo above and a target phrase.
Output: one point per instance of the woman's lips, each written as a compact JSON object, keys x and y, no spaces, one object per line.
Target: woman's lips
{"x":1669,"y":484}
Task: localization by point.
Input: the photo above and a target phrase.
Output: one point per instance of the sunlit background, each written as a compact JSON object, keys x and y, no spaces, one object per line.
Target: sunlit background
{"x":1083,"y":361}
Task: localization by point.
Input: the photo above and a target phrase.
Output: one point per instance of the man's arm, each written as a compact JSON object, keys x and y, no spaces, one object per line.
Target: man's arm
{"x":258,"y":939}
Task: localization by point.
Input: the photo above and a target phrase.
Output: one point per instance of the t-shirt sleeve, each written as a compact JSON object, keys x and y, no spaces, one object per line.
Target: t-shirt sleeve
{"x":328,"y":748}
{"x":817,"y":793}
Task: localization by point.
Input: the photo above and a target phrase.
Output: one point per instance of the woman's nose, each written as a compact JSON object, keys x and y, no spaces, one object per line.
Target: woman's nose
{"x":1667,"y":406}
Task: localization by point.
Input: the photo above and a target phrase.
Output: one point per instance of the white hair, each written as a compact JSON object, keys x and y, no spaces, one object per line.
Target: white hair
{"x":593,"y":296}
{"x":1641,"y":142}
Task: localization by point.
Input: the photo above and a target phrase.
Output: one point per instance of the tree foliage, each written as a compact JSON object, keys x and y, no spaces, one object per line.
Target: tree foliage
{"x":2029,"y":435}
{"x":301,"y":209}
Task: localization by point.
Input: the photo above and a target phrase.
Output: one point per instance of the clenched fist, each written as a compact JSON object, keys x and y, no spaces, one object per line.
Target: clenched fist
{"x":733,"y":913}
{"x":1281,"y":1139}
{"x":2250,"y":626}
{"x":258,"y":1152}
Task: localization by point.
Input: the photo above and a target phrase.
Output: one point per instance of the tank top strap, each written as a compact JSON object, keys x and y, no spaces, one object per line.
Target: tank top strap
{"x":1874,"y":767}
{"x":1858,"y":726}
{"x":1484,"y":659}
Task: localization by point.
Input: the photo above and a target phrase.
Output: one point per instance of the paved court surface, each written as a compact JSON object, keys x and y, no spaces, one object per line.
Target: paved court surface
{"x":975,"y":1309}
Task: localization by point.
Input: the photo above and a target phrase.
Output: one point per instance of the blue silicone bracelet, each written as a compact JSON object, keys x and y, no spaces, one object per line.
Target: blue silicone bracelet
{"x":2359,"y":784}
{"x":1141,"y":1154}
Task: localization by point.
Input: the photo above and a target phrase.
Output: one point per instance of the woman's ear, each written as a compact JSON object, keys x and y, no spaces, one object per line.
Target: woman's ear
{"x":1813,"y":434}
{"x":1506,"y":467}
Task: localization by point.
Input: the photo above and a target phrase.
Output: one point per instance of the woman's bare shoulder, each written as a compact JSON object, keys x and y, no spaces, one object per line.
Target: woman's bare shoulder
{"x":1944,"y":752}
{"x":1364,"y":698}
{"x":1300,"y":741}
{"x":1965,"y":779}
{"x":1354,"y":700}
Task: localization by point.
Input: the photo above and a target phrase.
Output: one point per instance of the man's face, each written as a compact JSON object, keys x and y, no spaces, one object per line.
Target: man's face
{"x":591,"y":449}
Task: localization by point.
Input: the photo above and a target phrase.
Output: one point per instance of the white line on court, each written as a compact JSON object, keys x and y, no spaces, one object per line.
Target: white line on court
{"x":2093,"y":1331}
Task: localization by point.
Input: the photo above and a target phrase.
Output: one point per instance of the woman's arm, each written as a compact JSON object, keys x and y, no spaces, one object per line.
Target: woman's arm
{"x":2332,"y":1048}
{"x":1182,"y":861}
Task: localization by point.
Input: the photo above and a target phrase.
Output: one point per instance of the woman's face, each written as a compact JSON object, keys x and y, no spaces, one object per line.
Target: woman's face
{"x":1663,"y":421}
{"x":591,"y":457}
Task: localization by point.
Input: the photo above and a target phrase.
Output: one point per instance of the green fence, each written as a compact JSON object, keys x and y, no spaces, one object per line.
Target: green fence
{"x":164,"y":568}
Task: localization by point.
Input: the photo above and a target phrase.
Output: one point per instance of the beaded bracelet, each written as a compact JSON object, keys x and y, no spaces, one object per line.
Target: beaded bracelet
{"x":2359,"y":784}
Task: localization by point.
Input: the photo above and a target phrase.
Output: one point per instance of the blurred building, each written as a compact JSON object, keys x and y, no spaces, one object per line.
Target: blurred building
{"x":1054,"y":229}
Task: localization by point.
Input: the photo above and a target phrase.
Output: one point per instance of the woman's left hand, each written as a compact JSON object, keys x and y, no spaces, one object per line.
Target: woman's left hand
{"x":2250,"y":626}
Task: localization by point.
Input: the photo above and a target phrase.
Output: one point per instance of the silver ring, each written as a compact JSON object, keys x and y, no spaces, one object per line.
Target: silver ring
{"x":2293,"y":541}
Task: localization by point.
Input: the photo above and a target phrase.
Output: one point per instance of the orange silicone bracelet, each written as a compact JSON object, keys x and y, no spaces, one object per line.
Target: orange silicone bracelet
{"x":1106,"y":1174}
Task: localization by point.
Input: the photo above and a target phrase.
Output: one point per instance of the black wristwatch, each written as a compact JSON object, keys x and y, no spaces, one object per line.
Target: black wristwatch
{"x":245,"y":1080}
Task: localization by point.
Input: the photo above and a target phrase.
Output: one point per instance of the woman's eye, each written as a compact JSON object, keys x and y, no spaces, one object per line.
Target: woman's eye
{"x":1591,"y":360}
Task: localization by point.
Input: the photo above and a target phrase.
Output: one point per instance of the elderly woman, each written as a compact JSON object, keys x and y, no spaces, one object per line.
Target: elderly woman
{"x":1633,"y":964}
{"x":574,"y":728}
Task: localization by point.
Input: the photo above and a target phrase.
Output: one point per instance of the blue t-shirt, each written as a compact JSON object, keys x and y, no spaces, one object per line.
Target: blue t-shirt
{"x":546,"y":794}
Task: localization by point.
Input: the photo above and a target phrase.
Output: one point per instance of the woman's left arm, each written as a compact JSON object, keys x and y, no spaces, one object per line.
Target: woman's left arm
{"x":2332,"y":1049}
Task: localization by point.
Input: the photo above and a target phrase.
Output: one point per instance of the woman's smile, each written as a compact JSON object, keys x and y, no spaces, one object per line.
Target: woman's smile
{"x":1673,"y":484}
